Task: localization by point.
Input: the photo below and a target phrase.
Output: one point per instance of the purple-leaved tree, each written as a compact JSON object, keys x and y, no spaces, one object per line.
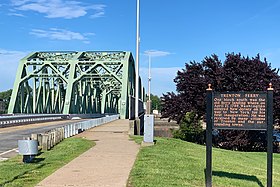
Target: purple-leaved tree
{"x":236,"y":73}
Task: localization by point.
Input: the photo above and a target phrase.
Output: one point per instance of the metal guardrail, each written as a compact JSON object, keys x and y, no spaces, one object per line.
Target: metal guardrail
{"x":75,"y":128}
{"x":6,"y":121}
{"x":52,"y":137}
{"x":18,"y":119}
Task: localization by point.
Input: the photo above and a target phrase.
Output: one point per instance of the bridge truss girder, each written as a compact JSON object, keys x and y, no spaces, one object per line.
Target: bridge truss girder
{"x":75,"y":83}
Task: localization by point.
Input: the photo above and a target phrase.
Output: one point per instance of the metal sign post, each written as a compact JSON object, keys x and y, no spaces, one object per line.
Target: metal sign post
{"x":269,"y":134}
{"x":209,"y":124}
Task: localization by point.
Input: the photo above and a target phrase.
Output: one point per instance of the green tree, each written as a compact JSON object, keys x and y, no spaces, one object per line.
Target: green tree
{"x":190,"y":129}
{"x":156,"y":102}
{"x":5,"y":97}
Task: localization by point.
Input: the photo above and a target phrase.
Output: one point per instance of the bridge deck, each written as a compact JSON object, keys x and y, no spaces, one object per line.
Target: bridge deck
{"x":108,"y":163}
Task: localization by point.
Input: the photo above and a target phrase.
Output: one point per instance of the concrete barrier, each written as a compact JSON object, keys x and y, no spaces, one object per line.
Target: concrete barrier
{"x":45,"y":140}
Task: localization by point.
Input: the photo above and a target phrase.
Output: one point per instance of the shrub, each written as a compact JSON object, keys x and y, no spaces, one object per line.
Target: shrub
{"x":190,"y":129}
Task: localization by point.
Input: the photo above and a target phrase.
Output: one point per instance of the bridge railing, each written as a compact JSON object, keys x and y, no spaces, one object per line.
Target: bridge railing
{"x":52,"y":137}
{"x":19,"y":119}
{"x":6,"y":121}
{"x":75,"y":128}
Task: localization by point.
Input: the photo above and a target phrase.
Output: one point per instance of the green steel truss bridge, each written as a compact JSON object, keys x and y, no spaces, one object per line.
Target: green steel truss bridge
{"x":73,"y":82}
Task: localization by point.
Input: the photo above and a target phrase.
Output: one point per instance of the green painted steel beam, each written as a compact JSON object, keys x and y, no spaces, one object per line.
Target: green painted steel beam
{"x":72,"y":82}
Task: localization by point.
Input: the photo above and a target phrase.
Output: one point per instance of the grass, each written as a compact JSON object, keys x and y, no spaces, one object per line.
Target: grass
{"x":14,"y":173}
{"x":173,"y":162}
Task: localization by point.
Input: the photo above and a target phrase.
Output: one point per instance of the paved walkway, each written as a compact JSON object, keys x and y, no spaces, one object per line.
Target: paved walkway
{"x":108,"y":163}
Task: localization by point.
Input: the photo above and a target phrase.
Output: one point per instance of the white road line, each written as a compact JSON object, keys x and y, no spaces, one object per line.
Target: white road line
{"x":15,"y":149}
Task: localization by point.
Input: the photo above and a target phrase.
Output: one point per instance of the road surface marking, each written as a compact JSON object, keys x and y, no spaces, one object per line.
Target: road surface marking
{"x":15,"y":149}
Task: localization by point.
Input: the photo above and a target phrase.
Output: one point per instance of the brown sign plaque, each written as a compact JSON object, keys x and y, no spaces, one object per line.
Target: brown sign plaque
{"x":240,"y":110}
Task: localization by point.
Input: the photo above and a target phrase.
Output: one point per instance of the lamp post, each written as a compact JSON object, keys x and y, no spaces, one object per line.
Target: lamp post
{"x":148,"y":117}
{"x":137,"y":61}
{"x":149,"y":87}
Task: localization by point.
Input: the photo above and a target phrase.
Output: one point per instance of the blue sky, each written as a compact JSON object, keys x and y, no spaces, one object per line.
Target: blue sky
{"x":173,"y":31}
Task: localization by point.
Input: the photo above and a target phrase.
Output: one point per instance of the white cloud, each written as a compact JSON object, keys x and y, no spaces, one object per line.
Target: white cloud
{"x":156,"y":53}
{"x":89,"y":34}
{"x":10,"y":56}
{"x":59,"y":8}
{"x":97,"y":15}
{"x":16,"y":14}
{"x":60,"y":34}
{"x":9,"y":61}
{"x":99,"y":11}
{"x":86,"y":42}
{"x":19,"y":2}
{"x":162,"y":79}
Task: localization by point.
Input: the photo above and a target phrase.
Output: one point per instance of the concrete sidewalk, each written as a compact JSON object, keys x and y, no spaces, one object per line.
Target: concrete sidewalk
{"x":108,"y":163}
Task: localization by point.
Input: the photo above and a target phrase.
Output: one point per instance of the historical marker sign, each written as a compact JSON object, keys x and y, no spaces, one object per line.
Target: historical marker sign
{"x":240,"y":110}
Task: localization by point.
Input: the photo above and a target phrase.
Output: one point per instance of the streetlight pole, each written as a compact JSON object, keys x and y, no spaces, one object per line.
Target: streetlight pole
{"x":149,"y":87}
{"x":148,"y":117}
{"x":137,"y":62}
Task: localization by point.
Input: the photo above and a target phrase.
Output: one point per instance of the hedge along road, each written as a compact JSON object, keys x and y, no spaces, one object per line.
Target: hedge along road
{"x":10,"y":135}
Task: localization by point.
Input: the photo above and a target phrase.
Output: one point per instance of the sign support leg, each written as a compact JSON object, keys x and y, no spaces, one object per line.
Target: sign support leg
{"x":269,"y":136}
{"x":208,"y":172}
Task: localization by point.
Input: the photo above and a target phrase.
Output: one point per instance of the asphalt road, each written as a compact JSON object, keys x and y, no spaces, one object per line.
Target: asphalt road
{"x":9,"y":136}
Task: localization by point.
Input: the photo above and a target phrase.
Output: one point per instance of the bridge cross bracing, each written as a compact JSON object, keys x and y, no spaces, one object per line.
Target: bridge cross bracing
{"x":71,"y":82}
